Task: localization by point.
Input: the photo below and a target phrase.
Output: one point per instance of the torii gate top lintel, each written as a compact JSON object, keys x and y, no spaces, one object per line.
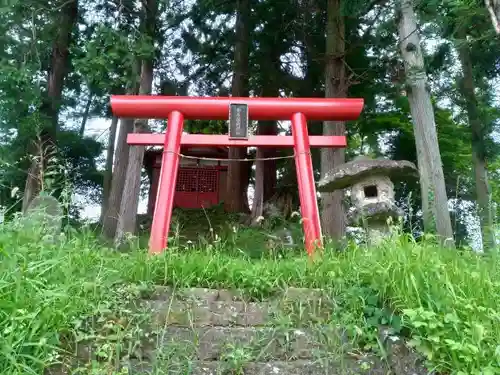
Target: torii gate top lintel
{"x":216,"y":108}
{"x":178,"y":108}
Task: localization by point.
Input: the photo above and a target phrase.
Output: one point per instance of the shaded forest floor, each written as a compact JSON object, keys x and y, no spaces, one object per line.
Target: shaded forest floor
{"x":53,"y":294}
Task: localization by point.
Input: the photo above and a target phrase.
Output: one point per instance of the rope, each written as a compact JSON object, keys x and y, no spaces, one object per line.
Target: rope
{"x":229,"y":159}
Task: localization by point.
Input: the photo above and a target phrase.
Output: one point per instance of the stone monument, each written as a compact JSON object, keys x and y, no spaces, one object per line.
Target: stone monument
{"x":44,"y":214}
{"x":372,"y":191}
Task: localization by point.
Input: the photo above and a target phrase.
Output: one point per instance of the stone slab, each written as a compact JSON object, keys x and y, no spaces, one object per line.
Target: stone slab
{"x":304,"y":294}
{"x":214,"y":343}
{"x":210,"y":295}
{"x":219,"y":333}
{"x":208,"y":307}
{"x":215,"y":313}
{"x":207,"y":295}
{"x":366,"y":366}
{"x":44,"y":214}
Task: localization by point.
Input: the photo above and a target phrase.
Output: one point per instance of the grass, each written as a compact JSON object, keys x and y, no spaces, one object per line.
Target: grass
{"x":204,"y":227}
{"x":447,"y":300}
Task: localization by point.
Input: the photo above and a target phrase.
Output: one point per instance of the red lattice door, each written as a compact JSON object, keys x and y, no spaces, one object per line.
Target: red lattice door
{"x":197,"y":187}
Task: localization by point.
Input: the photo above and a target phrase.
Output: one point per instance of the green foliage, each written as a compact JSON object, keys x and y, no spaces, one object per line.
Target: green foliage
{"x":81,"y":157}
{"x":107,"y":64}
{"x":444,"y":299}
{"x":443,"y":303}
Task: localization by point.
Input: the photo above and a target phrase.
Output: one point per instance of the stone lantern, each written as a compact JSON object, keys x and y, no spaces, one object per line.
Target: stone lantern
{"x":372,"y":191}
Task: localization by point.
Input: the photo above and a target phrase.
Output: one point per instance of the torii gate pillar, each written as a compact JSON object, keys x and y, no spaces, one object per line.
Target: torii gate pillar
{"x":176,"y":109}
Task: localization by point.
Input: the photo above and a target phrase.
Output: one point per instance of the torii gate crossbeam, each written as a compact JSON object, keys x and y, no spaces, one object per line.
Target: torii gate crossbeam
{"x":177,"y":109}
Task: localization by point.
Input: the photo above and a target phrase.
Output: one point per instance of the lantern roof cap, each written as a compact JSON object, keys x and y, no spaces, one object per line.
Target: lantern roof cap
{"x":363,"y":167}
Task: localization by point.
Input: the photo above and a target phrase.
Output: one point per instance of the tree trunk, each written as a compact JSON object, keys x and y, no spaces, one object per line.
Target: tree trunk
{"x":493,"y":7}
{"x":265,"y":170}
{"x":110,"y":216}
{"x":108,"y":171}
{"x":121,"y":159}
{"x":237,"y":174}
{"x":258,"y":195}
{"x":127,"y":218}
{"x":119,"y":174}
{"x":478,"y":147}
{"x":332,"y":208}
{"x":434,"y":198}
{"x":45,"y":147}
{"x":85,"y":116}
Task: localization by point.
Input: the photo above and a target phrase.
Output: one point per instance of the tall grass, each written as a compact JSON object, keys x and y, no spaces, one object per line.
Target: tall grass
{"x":447,"y":299}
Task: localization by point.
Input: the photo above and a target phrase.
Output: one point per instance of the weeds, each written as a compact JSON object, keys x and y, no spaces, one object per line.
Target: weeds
{"x":52,"y":292}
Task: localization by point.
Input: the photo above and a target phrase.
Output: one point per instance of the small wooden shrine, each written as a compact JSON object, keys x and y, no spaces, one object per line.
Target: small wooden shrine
{"x":200,"y":183}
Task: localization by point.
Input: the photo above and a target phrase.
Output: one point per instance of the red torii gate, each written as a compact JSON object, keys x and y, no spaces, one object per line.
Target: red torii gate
{"x":177,"y":108}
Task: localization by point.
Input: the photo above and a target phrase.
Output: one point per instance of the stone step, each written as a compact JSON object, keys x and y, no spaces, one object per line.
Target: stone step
{"x":209,"y":295}
{"x":365,"y":366}
{"x":200,"y":331}
{"x":209,"y":307}
{"x":216,"y":313}
{"x":258,"y":343}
